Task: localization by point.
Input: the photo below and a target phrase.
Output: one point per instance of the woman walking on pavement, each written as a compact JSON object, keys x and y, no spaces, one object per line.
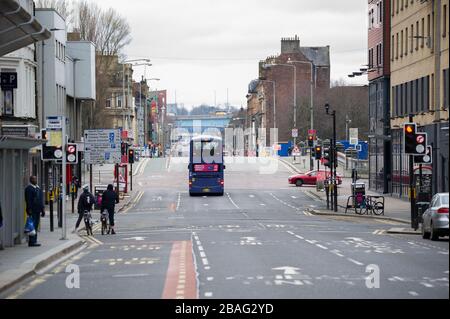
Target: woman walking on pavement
{"x":109,"y":201}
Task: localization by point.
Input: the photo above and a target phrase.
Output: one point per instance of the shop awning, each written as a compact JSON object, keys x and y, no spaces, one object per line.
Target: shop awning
{"x":19,"y":143}
{"x":18,"y":28}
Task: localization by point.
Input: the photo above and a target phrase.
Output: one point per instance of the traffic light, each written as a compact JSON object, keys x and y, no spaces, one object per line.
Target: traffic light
{"x":318,"y":152}
{"x":327,"y":157}
{"x":72,"y":153}
{"x":427,"y":158}
{"x":310,"y":140}
{"x":410,"y":138}
{"x":50,"y":153}
{"x":131,"y":156}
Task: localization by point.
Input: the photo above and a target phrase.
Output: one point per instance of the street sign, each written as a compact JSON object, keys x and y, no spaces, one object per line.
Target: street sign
{"x":353,"y":136}
{"x":8,"y":80}
{"x":294,"y":132}
{"x":54,"y":122}
{"x":102,"y":146}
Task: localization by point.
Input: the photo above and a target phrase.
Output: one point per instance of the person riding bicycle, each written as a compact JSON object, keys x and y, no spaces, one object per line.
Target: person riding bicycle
{"x":85,"y":203}
{"x":109,"y":201}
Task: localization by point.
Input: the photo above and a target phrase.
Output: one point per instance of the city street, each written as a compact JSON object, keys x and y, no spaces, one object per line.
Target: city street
{"x":257,"y":241}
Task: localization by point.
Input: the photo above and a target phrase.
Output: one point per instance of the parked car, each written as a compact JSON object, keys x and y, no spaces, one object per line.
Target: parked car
{"x":435,"y":218}
{"x":310,"y":178}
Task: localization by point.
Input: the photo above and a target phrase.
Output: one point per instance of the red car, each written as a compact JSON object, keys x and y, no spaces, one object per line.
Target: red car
{"x":310,"y":178}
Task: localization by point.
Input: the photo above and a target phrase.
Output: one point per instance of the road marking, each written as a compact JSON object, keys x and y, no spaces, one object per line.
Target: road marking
{"x":178,"y":202}
{"x":320,"y":246}
{"x":262,"y":204}
{"x":210,"y":278}
{"x":337,"y":253}
{"x":299,"y":237}
{"x":251,"y":196}
{"x":205,"y":261}
{"x":355,"y":262}
{"x":232,"y":202}
{"x":130,"y":275}
{"x":427,"y":285}
{"x":413,"y":293}
{"x":208,"y":294}
{"x":181,"y":276}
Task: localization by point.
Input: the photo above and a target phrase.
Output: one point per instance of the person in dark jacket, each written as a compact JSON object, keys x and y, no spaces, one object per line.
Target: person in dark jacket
{"x":35,"y":208}
{"x":109,"y":201}
{"x":85,"y":203}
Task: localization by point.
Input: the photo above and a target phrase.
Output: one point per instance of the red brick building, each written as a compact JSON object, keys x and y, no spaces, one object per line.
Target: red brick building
{"x":276,"y":73}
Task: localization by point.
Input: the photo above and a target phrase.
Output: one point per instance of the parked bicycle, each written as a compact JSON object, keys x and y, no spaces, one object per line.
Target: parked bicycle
{"x":371,"y":205}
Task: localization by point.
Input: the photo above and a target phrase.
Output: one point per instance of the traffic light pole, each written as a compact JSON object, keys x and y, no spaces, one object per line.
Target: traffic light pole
{"x":414,"y":220}
{"x":131,"y":177}
{"x":64,"y":177}
{"x":335,"y":163}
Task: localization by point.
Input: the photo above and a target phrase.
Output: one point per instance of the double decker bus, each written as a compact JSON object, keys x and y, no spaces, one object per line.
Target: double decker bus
{"x":206,"y":166}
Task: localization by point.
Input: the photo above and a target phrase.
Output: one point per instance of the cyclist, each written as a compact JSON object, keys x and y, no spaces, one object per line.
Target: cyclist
{"x":109,"y":201}
{"x":85,"y":203}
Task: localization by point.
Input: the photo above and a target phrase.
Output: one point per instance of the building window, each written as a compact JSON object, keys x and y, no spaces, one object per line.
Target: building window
{"x":417,"y":35}
{"x":446,"y":89}
{"x":108,"y":103}
{"x":392,"y":49}
{"x":420,"y":95}
{"x":8,"y":103}
{"x":412,"y":38}
{"x":426,"y":95}
{"x":401,"y":45}
{"x":396,"y":47}
{"x":406,"y":40}
{"x":401,"y":8}
{"x":428,"y":28}
{"x":380,"y":14}
{"x":119,"y":101}
{"x":398,"y":5}
{"x":444,"y":21}
{"x":422,"y":42}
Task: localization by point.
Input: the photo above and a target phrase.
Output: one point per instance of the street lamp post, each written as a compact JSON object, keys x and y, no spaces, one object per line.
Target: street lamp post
{"x":144,"y":62}
{"x":311,"y":103}
{"x":140,"y":101}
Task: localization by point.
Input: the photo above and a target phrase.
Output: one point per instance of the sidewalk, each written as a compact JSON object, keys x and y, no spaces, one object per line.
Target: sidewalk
{"x":20,"y":262}
{"x":395,"y":208}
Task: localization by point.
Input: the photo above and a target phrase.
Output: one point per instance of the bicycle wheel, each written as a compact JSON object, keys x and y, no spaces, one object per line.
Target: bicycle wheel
{"x":378,"y":208}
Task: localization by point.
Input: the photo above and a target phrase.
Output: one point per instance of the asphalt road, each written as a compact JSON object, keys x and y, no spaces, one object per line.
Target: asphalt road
{"x":257,"y":241}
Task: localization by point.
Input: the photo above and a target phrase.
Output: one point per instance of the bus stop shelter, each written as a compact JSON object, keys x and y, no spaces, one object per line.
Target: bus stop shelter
{"x":14,"y":175}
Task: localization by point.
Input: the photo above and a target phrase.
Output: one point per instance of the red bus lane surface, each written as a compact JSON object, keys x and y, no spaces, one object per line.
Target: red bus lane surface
{"x":181,"y":279}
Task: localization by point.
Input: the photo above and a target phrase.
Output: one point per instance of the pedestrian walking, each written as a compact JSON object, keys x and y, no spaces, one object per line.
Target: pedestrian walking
{"x":109,"y":201}
{"x":85,"y":203}
{"x":35,"y":208}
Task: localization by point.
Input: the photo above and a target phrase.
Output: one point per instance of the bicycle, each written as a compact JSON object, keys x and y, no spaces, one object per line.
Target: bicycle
{"x":88,"y":222}
{"x":372,"y":205}
{"x":104,"y":220}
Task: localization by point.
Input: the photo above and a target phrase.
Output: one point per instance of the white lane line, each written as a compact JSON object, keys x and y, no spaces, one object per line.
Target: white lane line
{"x":130,"y":275}
{"x":178,"y":202}
{"x":323,"y":247}
{"x":413,"y":293}
{"x":313,"y":242}
{"x":208,"y":294}
{"x":299,"y":237}
{"x":293,"y":197}
{"x":251,"y":196}
{"x":232,"y":202}
{"x":337,"y":253}
{"x":355,"y":262}
{"x":205,"y":261}
{"x":202,"y":254}
{"x":262,"y":204}
{"x":427,"y":284}
{"x":210,"y":278}
{"x":200,"y":248}
{"x":290,"y":233}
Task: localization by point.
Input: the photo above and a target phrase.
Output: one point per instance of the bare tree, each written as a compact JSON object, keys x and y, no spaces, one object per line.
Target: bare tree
{"x":108,"y":30}
{"x":61,"y":6}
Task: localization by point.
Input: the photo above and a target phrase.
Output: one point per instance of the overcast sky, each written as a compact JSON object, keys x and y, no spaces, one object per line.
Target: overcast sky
{"x":201,"y":48}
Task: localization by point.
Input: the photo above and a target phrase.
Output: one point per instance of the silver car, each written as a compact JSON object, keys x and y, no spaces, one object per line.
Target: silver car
{"x":435,"y":218}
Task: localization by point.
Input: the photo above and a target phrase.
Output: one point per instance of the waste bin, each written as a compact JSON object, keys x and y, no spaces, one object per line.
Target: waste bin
{"x":359,"y":192}
{"x":421,"y":208}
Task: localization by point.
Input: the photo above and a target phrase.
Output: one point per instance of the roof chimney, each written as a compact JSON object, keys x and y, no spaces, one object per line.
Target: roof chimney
{"x":290,"y":45}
